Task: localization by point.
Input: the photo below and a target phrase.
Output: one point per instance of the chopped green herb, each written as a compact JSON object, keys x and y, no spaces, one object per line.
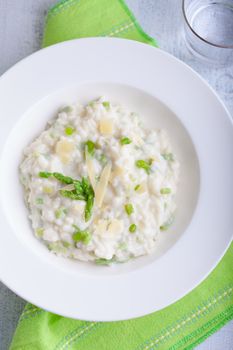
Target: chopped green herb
{"x":90,"y":147}
{"x":167,"y":224}
{"x":67,"y":109}
{"x":39,"y":201}
{"x":129,"y":208}
{"x":45,"y":174}
{"x":122,"y":246}
{"x":165,"y":190}
{"x":168,"y":156}
{"x":103,"y":159}
{"x":132,"y":228}
{"x":40,"y":232}
{"x":66,"y":244}
{"x":143,"y":164}
{"x":125,"y":141}
{"x":69,"y":130}
{"x":106,"y":104}
{"x":91,"y":104}
{"x":136,"y":187}
{"x":57,"y":247}
{"x":82,"y":236}
{"x":102,"y":261}
{"x":60,"y":212}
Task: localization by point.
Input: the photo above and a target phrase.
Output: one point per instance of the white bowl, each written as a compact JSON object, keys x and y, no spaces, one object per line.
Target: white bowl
{"x":167,"y":94}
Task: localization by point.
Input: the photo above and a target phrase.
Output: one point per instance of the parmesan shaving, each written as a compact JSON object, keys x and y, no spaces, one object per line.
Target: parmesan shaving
{"x":115,"y":227}
{"x":102,"y":184}
{"x":63,"y":150}
{"x":106,"y":126}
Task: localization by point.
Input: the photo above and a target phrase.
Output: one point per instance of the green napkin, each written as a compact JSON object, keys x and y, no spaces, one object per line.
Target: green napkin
{"x":181,"y":325}
{"x":71,"y":19}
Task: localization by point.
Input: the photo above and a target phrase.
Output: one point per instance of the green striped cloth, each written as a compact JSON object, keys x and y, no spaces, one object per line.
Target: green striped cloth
{"x":181,"y":325}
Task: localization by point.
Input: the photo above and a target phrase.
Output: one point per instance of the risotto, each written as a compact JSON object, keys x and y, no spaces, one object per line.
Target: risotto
{"x":99,"y":186}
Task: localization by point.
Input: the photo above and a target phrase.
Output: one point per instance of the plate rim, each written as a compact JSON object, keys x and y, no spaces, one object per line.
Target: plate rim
{"x":73,"y":42}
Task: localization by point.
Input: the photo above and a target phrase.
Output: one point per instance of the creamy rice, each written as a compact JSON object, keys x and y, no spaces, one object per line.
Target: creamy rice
{"x":99,"y":186}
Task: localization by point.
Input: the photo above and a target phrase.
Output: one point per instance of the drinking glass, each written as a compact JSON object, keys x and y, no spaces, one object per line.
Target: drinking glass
{"x":208,"y":29}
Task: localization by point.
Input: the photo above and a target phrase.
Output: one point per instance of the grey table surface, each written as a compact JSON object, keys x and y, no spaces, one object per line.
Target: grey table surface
{"x":21,"y":30}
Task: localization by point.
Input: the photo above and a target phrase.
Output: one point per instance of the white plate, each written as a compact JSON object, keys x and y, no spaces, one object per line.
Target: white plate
{"x":168,"y":94}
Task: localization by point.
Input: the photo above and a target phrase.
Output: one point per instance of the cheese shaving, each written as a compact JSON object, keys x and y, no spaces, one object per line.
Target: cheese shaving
{"x":106,"y":126}
{"x":102,"y":185}
{"x":115,"y":227}
{"x":63,"y":150}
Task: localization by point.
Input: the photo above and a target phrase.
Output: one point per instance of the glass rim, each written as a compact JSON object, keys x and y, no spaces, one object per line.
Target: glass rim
{"x":197,"y":35}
